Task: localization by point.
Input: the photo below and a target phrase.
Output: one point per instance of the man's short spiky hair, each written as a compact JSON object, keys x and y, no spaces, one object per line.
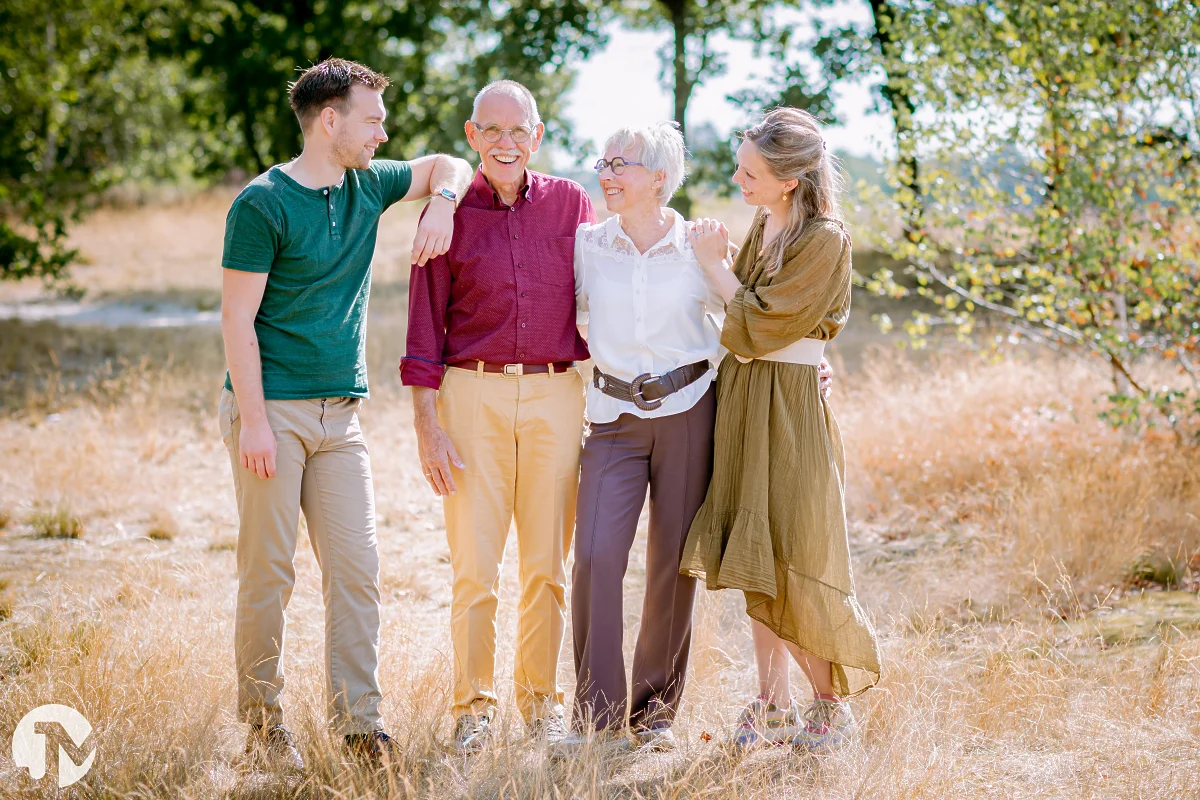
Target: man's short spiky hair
{"x":329,"y":84}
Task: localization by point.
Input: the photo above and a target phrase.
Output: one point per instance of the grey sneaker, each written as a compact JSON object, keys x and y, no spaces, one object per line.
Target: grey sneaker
{"x":828,"y":725}
{"x":764,"y":723}
{"x":274,"y":746}
{"x":597,"y":743}
{"x":655,"y":740}
{"x":551,"y":728}
{"x":472,"y":733}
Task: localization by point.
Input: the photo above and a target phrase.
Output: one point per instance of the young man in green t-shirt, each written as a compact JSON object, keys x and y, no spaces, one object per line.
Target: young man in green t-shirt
{"x":299,"y":241}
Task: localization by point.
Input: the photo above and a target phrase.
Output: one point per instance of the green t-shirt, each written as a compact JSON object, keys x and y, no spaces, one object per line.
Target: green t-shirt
{"x":316,"y":246}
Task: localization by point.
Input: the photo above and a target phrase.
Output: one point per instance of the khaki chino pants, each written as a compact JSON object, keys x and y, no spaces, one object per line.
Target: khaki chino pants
{"x":322,"y":467}
{"x":520,"y":438}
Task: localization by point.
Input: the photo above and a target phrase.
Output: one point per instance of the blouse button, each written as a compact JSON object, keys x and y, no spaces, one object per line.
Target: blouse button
{"x":522,"y":324}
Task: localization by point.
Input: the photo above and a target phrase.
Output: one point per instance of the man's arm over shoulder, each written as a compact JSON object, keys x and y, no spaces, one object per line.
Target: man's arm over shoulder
{"x":426,"y":177}
{"x":431,"y":174}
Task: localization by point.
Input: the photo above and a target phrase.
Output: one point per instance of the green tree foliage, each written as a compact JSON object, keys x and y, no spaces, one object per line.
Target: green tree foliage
{"x":1061,"y":185}
{"x":437,"y":54}
{"x":692,"y":56}
{"x":94,"y":92}
{"x":876,"y":50}
{"x":82,"y":105}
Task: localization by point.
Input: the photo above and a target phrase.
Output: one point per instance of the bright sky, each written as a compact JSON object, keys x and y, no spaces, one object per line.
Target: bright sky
{"x":620,"y":86}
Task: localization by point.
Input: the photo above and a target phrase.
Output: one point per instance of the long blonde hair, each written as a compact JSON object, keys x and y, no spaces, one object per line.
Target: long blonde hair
{"x":791,"y":143}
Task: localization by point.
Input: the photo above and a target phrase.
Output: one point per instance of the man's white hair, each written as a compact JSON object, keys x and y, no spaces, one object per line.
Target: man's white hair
{"x":660,"y":147}
{"x":514,"y":90}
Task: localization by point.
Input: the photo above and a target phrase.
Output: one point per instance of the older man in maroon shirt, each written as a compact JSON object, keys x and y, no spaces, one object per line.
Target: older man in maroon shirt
{"x":492,"y":346}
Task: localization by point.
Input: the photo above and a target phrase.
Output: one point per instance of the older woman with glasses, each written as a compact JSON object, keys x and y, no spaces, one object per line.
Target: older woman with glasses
{"x":645,"y":303}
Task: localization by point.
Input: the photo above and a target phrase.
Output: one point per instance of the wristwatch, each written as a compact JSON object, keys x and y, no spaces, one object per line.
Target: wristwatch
{"x":449,"y":195}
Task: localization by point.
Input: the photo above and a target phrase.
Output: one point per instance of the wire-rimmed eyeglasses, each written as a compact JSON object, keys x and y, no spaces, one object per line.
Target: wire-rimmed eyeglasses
{"x":494,"y":133}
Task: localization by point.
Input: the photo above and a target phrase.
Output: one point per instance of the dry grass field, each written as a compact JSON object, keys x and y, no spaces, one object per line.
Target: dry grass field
{"x":1031,"y":572}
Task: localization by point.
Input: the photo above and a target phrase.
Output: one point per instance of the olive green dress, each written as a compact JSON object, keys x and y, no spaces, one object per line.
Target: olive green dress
{"x":774,"y":521}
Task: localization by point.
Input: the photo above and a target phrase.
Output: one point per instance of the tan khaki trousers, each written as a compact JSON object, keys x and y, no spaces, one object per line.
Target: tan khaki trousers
{"x":322,"y":466}
{"x":520,"y":438}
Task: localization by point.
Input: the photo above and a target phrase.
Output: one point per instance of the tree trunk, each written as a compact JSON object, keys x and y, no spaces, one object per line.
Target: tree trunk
{"x":883,"y":14}
{"x":677,"y":10}
{"x":251,"y":143}
{"x":50,"y":155}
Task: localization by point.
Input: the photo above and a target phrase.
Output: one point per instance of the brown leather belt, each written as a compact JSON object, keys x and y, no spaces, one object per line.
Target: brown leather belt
{"x":647,"y":391}
{"x":516,"y":369}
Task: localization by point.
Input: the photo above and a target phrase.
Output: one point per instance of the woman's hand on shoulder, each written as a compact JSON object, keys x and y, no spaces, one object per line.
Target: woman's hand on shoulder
{"x":710,"y":241}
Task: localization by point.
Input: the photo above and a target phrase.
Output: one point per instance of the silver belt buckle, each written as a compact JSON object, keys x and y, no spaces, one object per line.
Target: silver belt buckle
{"x":513,"y":370}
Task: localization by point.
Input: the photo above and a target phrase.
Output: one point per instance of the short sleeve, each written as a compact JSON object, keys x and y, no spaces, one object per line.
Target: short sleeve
{"x":395,"y":178}
{"x":251,"y":239}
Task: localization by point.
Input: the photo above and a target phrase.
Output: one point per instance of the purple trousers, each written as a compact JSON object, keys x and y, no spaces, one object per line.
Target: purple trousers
{"x":673,"y":456}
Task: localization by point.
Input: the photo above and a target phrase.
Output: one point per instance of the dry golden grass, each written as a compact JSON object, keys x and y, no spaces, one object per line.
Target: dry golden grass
{"x":1000,"y":533}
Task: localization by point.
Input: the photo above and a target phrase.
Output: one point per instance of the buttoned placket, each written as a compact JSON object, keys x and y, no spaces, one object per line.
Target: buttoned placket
{"x":640,"y":290}
{"x":520,"y":279}
{"x":328,"y":200}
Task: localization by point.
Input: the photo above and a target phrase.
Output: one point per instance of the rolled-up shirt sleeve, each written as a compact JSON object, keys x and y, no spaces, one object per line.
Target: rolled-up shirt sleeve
{"x":428,"y":300}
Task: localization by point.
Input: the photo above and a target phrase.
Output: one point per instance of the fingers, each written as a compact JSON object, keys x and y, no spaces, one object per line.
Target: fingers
{"x":437,"y":478}
{"x":262,"y":465}
{"x":443,"y":245}
{"x":438,"y":472}
{"x":418,"y":245}
{"x":438,"y":475}
{"x":421,"y":246}
{"x":453,"y":456}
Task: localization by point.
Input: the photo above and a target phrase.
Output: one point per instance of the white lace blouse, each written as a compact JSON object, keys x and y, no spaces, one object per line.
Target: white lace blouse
{"x":645,"y":313}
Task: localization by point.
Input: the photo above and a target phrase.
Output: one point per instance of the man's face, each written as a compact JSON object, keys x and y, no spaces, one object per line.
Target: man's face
{"x":503,"y":162}
{"x":359,"y":130}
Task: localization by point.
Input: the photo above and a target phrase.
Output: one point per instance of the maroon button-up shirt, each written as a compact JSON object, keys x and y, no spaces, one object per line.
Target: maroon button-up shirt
{"x":505,"y":290}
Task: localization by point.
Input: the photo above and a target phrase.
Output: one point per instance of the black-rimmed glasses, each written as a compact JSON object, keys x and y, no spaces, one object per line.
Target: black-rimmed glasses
{"x":618,"y":165}
{"x":494,"y":133}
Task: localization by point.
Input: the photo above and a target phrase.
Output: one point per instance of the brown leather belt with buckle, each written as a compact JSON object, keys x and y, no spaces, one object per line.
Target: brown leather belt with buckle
{"x":647,"y":391}
{"x":516,"y":369}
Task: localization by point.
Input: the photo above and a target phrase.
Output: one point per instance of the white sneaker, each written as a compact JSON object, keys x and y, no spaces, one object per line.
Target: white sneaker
{"x":472,"y":733}
{"x":575,"y":745}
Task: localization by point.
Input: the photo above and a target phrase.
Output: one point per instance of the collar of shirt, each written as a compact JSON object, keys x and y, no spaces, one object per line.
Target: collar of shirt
{"x":490,"y":198}
{"x":676,"y":236}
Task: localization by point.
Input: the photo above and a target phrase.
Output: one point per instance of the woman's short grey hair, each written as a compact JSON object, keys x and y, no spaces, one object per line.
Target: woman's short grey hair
{"x":660,"y":147}
{"x":514,"y":90}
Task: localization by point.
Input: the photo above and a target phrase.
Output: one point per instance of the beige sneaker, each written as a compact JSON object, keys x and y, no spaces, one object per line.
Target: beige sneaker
{"x":828,"y":725}
{"x":763,"y":723}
